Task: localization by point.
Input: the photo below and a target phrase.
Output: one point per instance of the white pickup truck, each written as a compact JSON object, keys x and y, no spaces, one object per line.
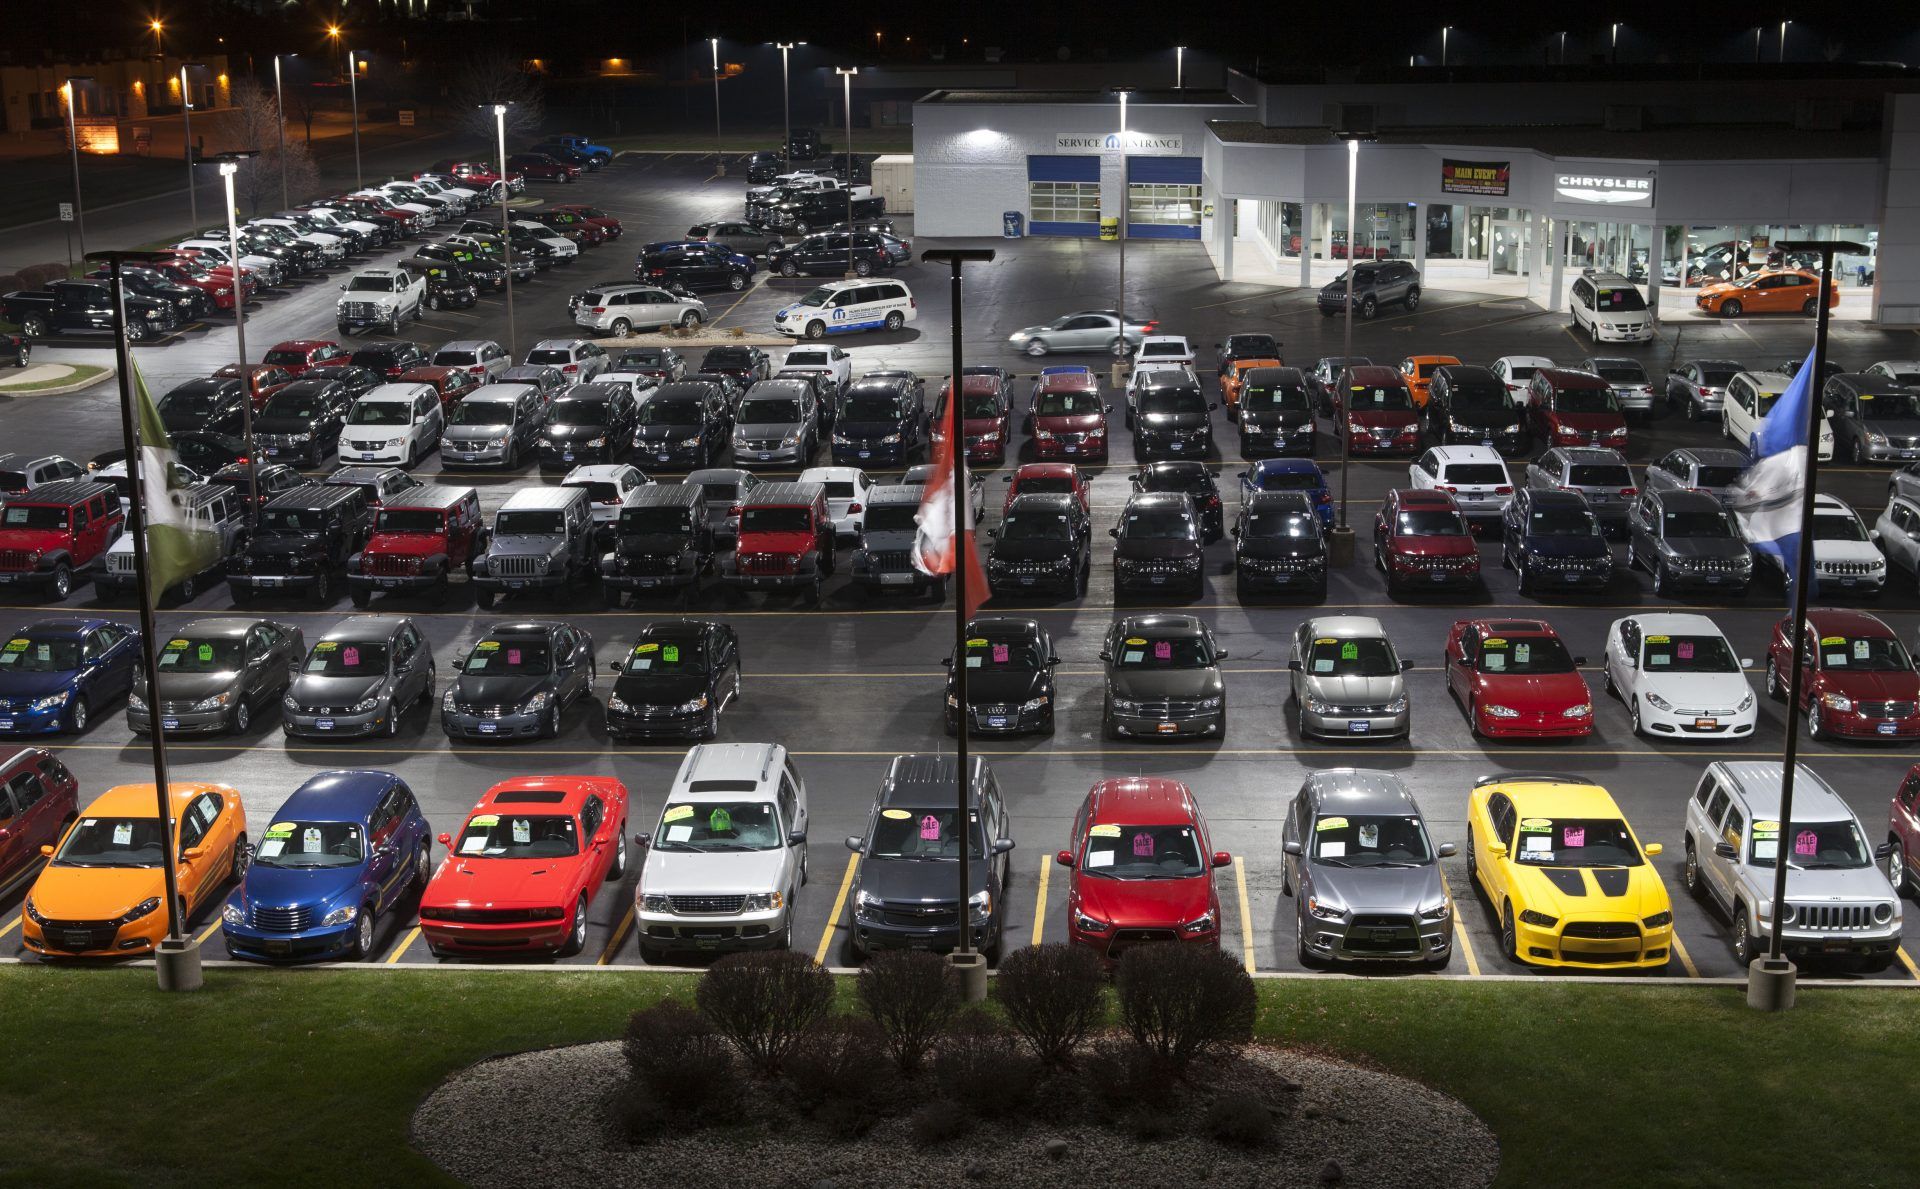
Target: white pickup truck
{"x":383,"y":297}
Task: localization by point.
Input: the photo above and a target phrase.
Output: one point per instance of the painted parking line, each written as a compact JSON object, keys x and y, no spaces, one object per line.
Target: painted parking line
{"x":1460,"y":939}
{"x":1246,"y":913}
{"x":1899,"y":952}
{"x":619,"y":935}
{"x":15,"y":924}
{"x":1040,"y":901}
{"x":393,"y":959}
{"x":208,"y":931}
{"x":1686,"y":959}
{"x":839,"y":903}
{"x":744,"y":294}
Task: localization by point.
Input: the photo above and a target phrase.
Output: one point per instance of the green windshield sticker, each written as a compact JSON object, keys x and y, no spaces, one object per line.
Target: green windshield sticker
{"x":720,"y":821}
{"x":677,"y":813}
{"x":279,"y":830}
{"x":1350,"y":651}
{"x":204,"y":652}
{"x":671,"y":654}
{"x":1536,"y":825}
{"x":1330,"y":823}
{"x":16,"y":646}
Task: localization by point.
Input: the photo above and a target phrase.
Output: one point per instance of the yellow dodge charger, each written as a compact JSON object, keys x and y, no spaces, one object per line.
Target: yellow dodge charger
{"x":1570,"y":882}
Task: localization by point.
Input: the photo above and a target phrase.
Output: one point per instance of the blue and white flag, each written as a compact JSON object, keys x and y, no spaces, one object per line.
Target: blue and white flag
{"x":1767,"y":499}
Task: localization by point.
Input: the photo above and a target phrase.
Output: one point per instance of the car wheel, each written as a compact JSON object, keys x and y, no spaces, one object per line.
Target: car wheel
{"x":422,"y":866}
{"x":25,"y":356}
{"x":1118,"y":348}
{"x":136,"y":332}
{"x":1897,"y":867}
{"x":711,"y":728}
{"x":577,"y":935}
{"x":736,"y":282}
{"x":1368,"y":308}
{"x":619,"y":866}
{"x":1413,"y":299}
{"x":816,"y":330}
{"x":1743,"y":947}
{"x":1662,"y":585}
{"x":242,"y":717}
{"x":1816,"y":721}
{"x":895,"y":320}
{"x":789,"y":269}
{"x":1856,"y":453}
{"x":62,"y":582}
{"x":1730,"y":309}
{"x":77,"y":717}
{"x":621,"y":328}
{"x":550,"y":729}
{"x":1473,"y":719}
{"x":1606,"y":680}
{"x":362,"y":936}
{"x":484,"y":598}
{"x":1037,"y":347}
{"x":1810,"y":307}
{"x":1690,"y":874}
{"x":433,"y":303}
{"x":1306,"y":956}
{"x":1633,"y":716}
{"x":362,"y":599}
{"x":863,"y":268}
{"x":690,"y":319}
{"x":1510,"y":937}
{"x":1776,"y":685}
{"x":34,"y":326}
{"x":393,"y":720}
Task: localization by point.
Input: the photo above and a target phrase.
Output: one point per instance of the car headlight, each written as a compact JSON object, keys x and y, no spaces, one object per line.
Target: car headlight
{"x":213,"y":703}
{"x":1122,"y":706}
{"x":446,"y":699}
{"x":1745,"y":705}
{"x":1324,"y":911}
{"x":892,"y":439}
{"x":232,"y":914}
{"x":365,"y":704}
{"x":599,"y":441}
{"x":654,"y":902}
{"x":1877,"y":564}
{"x":342,"y":915}
{"x":699,"y":703}
{"x":1087,"y":924}
{"x":1436,"y":912}
{"x":289,"y":704}
{"x":1042,"y":435}
{"x":1038,"y":703}
{"x":144,"y":908}
{"x":692,"y":443}
{"x":992,"y":435}
{"x":1319,"y":705}
{"x":1501,"y":711}
{"x":1208,"y":704}
{"x":1398,"y":705}
{"x":617,"y":704}
{"x":1876,"y":437}
{"x":841,"y":439}
{"x":953,"y":701}
{"x":1583,"y":710}
{"x":1539,"y":920}
{"x":499,"y":441}
{"x":299,"y":437}
{"x":1836,"y":702}
{"x":536,"y":703}
{"x":53,"y":700}
{"x":1882,"y":913}
{"x":1200,"y":924}
{"x":980,"y":907}
{"x":764,"y":902}
{"x":136,"y":702}
{"x":1098,"y":431}
{"x":1658,"y":920}
{"x":1659,"y":702}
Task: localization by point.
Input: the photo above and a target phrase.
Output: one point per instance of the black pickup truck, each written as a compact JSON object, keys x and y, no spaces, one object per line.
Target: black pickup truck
{"x":803,"y":212}
{"x":85,"y":307}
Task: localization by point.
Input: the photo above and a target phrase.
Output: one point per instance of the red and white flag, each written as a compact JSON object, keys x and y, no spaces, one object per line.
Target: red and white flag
{"x":933,"y":544}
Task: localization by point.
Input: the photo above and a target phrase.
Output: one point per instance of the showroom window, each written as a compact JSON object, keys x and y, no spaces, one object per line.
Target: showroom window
{"x":1063,"y":202}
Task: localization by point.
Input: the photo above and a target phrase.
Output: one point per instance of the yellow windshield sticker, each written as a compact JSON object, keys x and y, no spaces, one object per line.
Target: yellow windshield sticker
{"x":677,"y":813}
{"x":638,"y":649}
{"x":1772,"y":826}
{"x":1496,"y":642}
{"x":325,"y":646}
{"x":1659,"y":639}
{"x":977,"y":642}
{"x":176,"y":644}
{"x":487,"y":646}
{"x":1536,"y":825}
{"x":279,"y":830}
{"x":1833,"y":639}
{"x":1326,"y":640}
{"x":17,"y":645}
{"x":1135,"y":641}
{"x":484,"y":821}
{"x":1103,"y":830}
{"x":1330,"y":823}
{"x":898,"y":815}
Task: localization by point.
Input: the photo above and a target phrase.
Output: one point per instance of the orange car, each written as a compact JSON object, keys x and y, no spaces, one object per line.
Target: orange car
{"x":1773,"y":291}
{"x":1235,"y":378}
{"x":1418,"y":369}
{"x":100,"y":894}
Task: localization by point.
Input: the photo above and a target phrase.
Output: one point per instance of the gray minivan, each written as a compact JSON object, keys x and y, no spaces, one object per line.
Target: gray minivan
{"x":494,"y":426}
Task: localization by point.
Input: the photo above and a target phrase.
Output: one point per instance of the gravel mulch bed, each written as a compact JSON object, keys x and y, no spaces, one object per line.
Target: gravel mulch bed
{"x":542,"y":1118}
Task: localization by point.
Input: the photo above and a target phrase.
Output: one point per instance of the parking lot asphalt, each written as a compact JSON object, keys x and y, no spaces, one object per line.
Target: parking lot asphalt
{"x":858,"y":680}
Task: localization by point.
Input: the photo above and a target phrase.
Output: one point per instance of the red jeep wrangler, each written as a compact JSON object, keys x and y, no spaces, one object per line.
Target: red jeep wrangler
{"x":786,"y":540}
{"x":55,"y":530}
{"x":419,"y":537}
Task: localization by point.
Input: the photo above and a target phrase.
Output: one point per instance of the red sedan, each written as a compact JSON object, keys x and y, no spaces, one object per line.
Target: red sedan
{"x":1859,"y":682}
{"x":38,"y":797}
{"x":263,"y":380}
{"x":542,"y":167}
{"x":299,"y":356}
{"x":1067,"y":417}
{"x":1142,"y":868}
{"x":1048,"y":478}
{"x":526,"y":866}
{"x":594,"y":215}
{"x":1421,"y":540}
{"x":1516,"y":680}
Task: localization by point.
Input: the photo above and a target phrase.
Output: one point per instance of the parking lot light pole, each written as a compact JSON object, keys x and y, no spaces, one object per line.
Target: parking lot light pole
{"x":280,"y":122}
{"x":353,"y":93}
{"x":846,"y":74}
{"x":1444,"y":30}
{"x":786,"y":99}
{"x":186,"y":117}
{"x":506,"y":234}
{"x":1179,"y":67}
{"x":1125,"y":196}
{"x":72,"y":89}
{"x":1346,"y":345}
{"x":229,"y":166}
{"x":972,"y":966}
{"x":719,"y":154}
{"x":1783,"y":40}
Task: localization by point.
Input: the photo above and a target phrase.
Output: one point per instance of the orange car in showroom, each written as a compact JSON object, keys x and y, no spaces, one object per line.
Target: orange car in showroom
{"x":1774,"y":291}
{"x":101,"y":892}
{"x":1234,"y":380}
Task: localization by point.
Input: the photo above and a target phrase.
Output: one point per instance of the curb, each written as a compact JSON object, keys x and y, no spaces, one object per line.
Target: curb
{"x":64,"y":389}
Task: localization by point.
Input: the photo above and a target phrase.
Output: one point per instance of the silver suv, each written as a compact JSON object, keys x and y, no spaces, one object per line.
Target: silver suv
{"x":621,"y":309}
{"x":729,"y":855}
{"x":1839,"y":902}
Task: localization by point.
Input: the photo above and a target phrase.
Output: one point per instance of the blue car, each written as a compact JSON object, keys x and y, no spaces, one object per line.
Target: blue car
{"x":581,"y":144}
{"x":733,"y":255}
{"x":348,"y":846}
{"x":1290,"y":474}
{"x":55,"y":674}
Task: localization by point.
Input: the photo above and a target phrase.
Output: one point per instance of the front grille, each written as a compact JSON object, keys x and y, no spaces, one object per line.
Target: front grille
{"x":1572,"y":563}
{"x":1885,"y":709}
{"x":493,"y":916}
{"x":363,"y":447}
{"x":360,"y":309}
{"x":1596,"y":958}
{"x":1161,"y":566}
{"x":1271,"y":564}
{"x":1718,"y":565}
{"x":120,"y":563}
{"x":477,"y":710}
{"x":1846,"y":567}
{"x":1832,"y":916}
{"x":918,"y":916}
{"x":1601,"y":930}
{"x":14,"y":559}
{"x":1021,"y":567}
{"x":1126,"y":939}
{"x":721,"y":905}
{"x":1442,"y":563}
{"x":78,"y":936}
{"x":517,"y":566}
{"x":1381,"y":934}
{"x":894,"y":560}
{"x":1361,"y":710}
{"x":766,"y":564}
{"x":390,"y":565}
{"x":1181,"y":708}
{"x":650,"y":563}
{"x":768,"y":444}
{"x":291,"y":919}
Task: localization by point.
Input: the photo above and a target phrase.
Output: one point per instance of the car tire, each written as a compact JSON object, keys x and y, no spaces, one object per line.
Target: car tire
{"x":621,"y":328}
{"x":25,"y":356}
{"x":816,"y":330}
{"x":34,"y":326}
{"x":1776,"y":685}
{"x":1038,"y":347}
{"x":484,"y":598}
{"x":1810,"y":307}
{"x":612,"y":597}
{"x":61,"y":584}
{"x":1690,"y":875}
{"x":1510,"y":937}
{"x":1473,"y":719}
{"x":1118,"y":348}
{"x":1744,"y":950}
{"x":736,"y":282}
{"x":241,"y":719}
{"x":1730,"y":309}
{"x":77,"y":715}
{"x":618,"y":868}
{"x":1369,"y":308}
{"x":1633,"y":717}
{"x":1897,"y":866}
{"x":895,"y":320}
{"x":393,"y":720}
{"x":1856,"y":453}
{"x":577,"y":934}
{"x":433,"y":303}
{"x":1817,"y":722}
{"x":1413,"y":299}
{"x":136,"y":332}
{"x":690,"y":319}
{"x":422,"y":866}
{"x":863,"y":268}
{"x":362,"y":948}
{"x":1662,"y":585}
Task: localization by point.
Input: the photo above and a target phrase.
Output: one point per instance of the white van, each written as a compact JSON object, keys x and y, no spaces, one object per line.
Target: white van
{"x":1609,"y":308}
{"x":842,"y":307}
{"x":396,"y":423}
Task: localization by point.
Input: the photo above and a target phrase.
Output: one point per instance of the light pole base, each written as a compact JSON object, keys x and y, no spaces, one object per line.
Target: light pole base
{"x":177,"y":963}
{"x":971,"y":968}
{"x":720,"y":169}
{"x":1340,"y":546}
{"x":1770,"y":984}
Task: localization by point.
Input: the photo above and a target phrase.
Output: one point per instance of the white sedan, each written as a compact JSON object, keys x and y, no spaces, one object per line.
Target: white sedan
{"x":1679,"y":678}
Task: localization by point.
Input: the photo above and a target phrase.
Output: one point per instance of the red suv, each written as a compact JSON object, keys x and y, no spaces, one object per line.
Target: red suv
{"x":1049,"y":478}
{"x":299,"y":356}
{"x":419,"y":537}
{"x":608,"y":225}
{"x":542,"y":167}
{"x":1067,"y":418}
{"x":985,"y":416}
{"x":1857,"y":680}
{"x":1142,"y":868}
{"x":1569,"y":408}
{"x":263,"y":380}
{"x":1421,"y":540}
{"x":1516,"y":680}
{"x":55,"y":531}
{"x":1374,"y":407}
{"x":786,"y":540}
{"x":38,"y":797}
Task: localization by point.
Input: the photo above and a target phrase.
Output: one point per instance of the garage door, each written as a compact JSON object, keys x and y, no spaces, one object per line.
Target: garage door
{"x":1063,"y":196}
{"x":1163,"y":197}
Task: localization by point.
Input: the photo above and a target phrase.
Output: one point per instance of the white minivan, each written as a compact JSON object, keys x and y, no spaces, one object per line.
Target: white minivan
{"x":396,"y":423}
{"x":1609,"y":308}
{"x":842,"y":307}
{"x":1750,"y":397}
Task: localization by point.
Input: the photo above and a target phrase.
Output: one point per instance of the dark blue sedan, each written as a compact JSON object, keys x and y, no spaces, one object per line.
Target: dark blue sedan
{"x":348,"y":846}
{"x":1290,"y":474}
{"x":732,"y":253}
{"x":56,"y":674}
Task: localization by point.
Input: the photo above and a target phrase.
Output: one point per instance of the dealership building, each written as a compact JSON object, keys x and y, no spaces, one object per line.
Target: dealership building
{"x":1506,"y":182}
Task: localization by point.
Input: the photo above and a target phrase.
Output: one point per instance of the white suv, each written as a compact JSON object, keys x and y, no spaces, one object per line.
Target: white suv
{"x":1516,"y":372}
{"x":1609,"y":308}
{"x":610,"y":487}
{"x":1845,"y":558}
{"x":1475,"y":476}
{"x":382,"y":297}
{"x":847,"y":489}
{"x":729,"y":854}
{"x":397,"y":423}
{"x":833,"y":362}
{"x":1750,"y":397}
{"x":1164,"y":348}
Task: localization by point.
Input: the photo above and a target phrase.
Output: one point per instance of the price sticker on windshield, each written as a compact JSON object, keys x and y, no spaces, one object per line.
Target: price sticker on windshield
{"x":1326,"y":640}
{"x":1329,"y":823}
{"x":325,"y":646}
{"x":310,"y":840}
{"x":1861,"y":648}
{"x":487,"y":646}
{"x":1103,"y":830}
{"x":1132,"y":642}
{"x":1659,"y":639}
{"x":279,"y":830}
{"x":670,"y":654}
{"x":1494,"y":642}
{"x":1349,"y":651}
{"x":1806,"y":844}
{"x":977,"y":642}
{"x":17,"y":645}
{"x":522,"y":831}
{"x":643,"y":649}
{"x":677,"y":813}
{"x":898,"y":815}
{"x":1536,"y":825}
{"x":1000,"y":653}
{"x":485,"y":821}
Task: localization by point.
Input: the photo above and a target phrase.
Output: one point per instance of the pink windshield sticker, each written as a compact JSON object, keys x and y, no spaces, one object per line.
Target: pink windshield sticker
{"x":350,"y":656}
{"x":1685,"y":650}
{"x":1806,"y":842}
{"x":1163,"y":650}
{"x":1573,"y":836}
{"x":1143,"y":845}
{"x":930,"y":828}
{"x":513,"y":656}
{"x":999,"y":654}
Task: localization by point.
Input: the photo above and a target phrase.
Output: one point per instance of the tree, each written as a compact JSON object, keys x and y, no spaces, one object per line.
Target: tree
{"x":253,"y":124}
{"x":492,"y":77}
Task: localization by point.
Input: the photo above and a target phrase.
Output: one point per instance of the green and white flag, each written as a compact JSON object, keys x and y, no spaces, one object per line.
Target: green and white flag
{"x":176,"y":547}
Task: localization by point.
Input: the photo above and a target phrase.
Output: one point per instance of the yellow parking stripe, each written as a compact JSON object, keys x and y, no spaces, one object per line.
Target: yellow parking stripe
{"x":1686,"y":959}
{"x":619,"y":935}
{"x":1246,"y":914}
{"x":208,"y":931}
{"x":15,"y":924}
{"x":1040,"y":903}
{"x":393,"y":959}
{"x":1899,"y":952}
{"x":1460,"y":938}
{"x":839,"y":903}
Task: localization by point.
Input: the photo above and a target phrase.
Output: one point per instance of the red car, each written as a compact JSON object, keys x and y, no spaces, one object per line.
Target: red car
{"x":38,"y":797}
{"x":540,"y":167}
{"x":219,"y":290}
{"x":452,"y":383}
{"x":594,"y":215}
{"x":526,"y":866}
{"x":480,"y":173}
{"x":1062,"y":478}
{"x":1857,"y":681}
{"x":1569,"y":408}
{"x":189,"y":267}
{"x":1903,"y":831}
{"x":1142,"y":868}
{"x":263,"y":380}
{"x":1515,"y":680}
{"x":1421,"y":540}
{"x":1374,"y":407}
{"x":1067,"y":418}
{"x":985,"y":416}
{"x":299,"y":356}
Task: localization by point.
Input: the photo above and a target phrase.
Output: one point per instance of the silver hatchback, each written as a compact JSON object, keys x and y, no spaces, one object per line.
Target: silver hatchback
{"x":1347,"y":679}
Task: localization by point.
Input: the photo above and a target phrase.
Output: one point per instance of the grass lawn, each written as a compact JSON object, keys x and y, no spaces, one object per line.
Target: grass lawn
{"x":310,"y":1078}
{"x":81,"y":372}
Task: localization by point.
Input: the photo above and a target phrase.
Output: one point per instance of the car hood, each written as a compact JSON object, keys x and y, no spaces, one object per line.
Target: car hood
{"x":1145,"y":903}
{"x":901,"y":540}
{"x":1699,"y":691}
{"x":497,"y":691}
{"x":278,"y":545}
{"x":1173,"y":420}
{"x":497,"y":883}
{"x":1831,"y":884}
{"x":1353,"y":689}
{"x":1270,"y":547}
{"x":972,"y":426}
{"x":1703,"y":547}
{"x":650,"y":544}
{"x":183,"y":687}
{"x":293,"y":887}
{"x":875,"y":429}
{"x":1385,"y":418}
{"x":567,"y":433}
{"x":314,"y":690}
{"x":1586,"y":422}
{"x":1902,"y":685}
{"x":782,"y":543}
{"x":1435,"y":546}
{"x":1029,"y":550}
{"x":288,"y":425}
{"x":687,"y":874}
{"x":1555,"y":545}
{"x":34,"y":685}
{"x":1895,"y":426}
{"x":1151,"y":684}
{"x":1628,"y":892}
{"x":30,"y":539}
{"x":988,"y":687}
{"x":406,"y":544}
{"x":1138,"y":550}
{"x":767,"y":429}
{"x":1486,"y":418}
{"x":1274,"y":418}
{"x":665,"y":433}
{"x":1846,"y":551}
{"x":475,"y":433}
{"x":919,"y":879}
{"x":661,"y":690}
{"x":94,"y":893}
{"x":523,"y":544}
{"x":1378,"y":889}
{"x":1538,"y":692}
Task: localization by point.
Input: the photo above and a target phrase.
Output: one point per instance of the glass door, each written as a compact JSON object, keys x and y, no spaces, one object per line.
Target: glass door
{"x":1507,"y":251}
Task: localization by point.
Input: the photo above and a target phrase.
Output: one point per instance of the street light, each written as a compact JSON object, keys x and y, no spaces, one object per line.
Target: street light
{"x":1783,"y":58}
{"x":719,"y":160}
{"x":159,"y":50}
{"x":1756,"y":43}
{"x":73,"y":138}
{"x":186,"y":116}
{"x":786,"y":99}
{"x":1126,"y":196}
{"x":280,"y":121}
{"x":1179,"y":67}
{"x":1613,"y":50}
{"x":846,"y":74}
{"x":506,"y":236}
{"x":1563,"y":47}
{"x":353,"y":91}
{"x":1342,"y":544}
{"x":1444,"y":30}
{"x":229,"y":166}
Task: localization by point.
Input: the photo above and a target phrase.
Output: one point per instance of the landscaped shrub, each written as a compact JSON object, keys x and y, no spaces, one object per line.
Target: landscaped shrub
{"x":11,"y":282}
{"x":911,"y":995}
{"x":840,"y":1059}
{"x":764,"y":1002}
{"x":1237,"y":1119}
{"x":1183,"y":1001}
{"x":682,"y":1069}
{"x":1126,"y":1078}
{"x":938,"y":1121}
{"x":35,"y":276}
{"x":1053,"y":995}
{"x":979,"y":1064}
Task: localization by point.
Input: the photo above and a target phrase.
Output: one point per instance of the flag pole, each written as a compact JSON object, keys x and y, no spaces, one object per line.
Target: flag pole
{"x":178,"y":958}
{"x":972,"y":966}
{"x":1770,"y":980}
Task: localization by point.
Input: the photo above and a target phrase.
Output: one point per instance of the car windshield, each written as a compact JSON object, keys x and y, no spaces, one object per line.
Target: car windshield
{"x":671,"y":411}
{"x":194,"y":403}
{"x":409,"y":520}
{"x":1575,"y":842}
{"x":1622,"y":373}
{"x":1764,"y":402}
{"x":1032,"y":526}
{"x":1253,"y":346}
{"x":1863,"y":654}
{"x":1523,"y":371}
{"x":310,"y":844}
{"x":1282,"y":524}
{"x":1116,"y":851}
{"x":1045,"y":485}
{"x":1478,"y":474}
{"x":580,"y":412}
{"x":979,"y":406}
{"x":922,"y":834}
{"x":1173,"y":350}
{"x":768,"y":410}
{"x":381,"y":412}
{"x":1176,"y":652}
{"x":864,"y":407}
{"x":817,"y":298}
{"x":511,"y":656}
{"x":1592,"y":474}
{"x":1157,"y":524}
{"x":188,"y":655}
{"x":348,"y":658}
{"x":1524,"y":655}
{"x":483,"y":412}
{"x":1430,"y":522}
{"x":510,"y":523}
{"x":1834,"y":526}
{"x":1368,"y":840}
{"x":1357,"y":657}
{"x":369,"y":285}
{"x":295,"y":405}
{"x":1584,"y":400}
{"x":896,"y":518}
{"x":1018,"y":654}
{"x":1712,"y":525}
{"x":1067,"y":403}
{"x":1717,"y":377}
{"x":1475,"y":399}
{"x":34,"y":516}
{"x":285,"y":358}
{"x":1562,"y":522}
{"x":598,"y":490}
{"x":112,"y":842}
{"x":667,"y":656}
{"x":504,"y":836}
{"x":776,"y":520}
{"x":1618,"y":300}
{"x":291,"y":522}
{"x":1717,"y":476}
{"x":1688,"y":654}
{"x":1184,"y":401}
{"x":1366,"y":399}
{"x":25,"y":654}
{"x":1816,"y":845}
{"x":1890,"y":406}
{"x":1288,"y":481}
{"x":719,"y":826}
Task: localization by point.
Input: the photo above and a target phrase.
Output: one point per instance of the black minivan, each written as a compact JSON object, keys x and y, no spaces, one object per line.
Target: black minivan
{"x":862,"y":252}
{"x":691,"y":268}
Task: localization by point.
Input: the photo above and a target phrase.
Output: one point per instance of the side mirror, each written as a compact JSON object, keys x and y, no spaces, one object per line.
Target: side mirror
{"x":796,"y":837}
{"x":1114,"y":533}
{"x":1746,"y":662}
{"x":1579,"y":660}
{"x":946,"y":662}
{"x":613,"y":666}
{"x":1497,"y":849}
{"x":47,"y":851}
{"x":1002,"y":845}
{"x":1294,"y":848}
{"x":1064,"y":857}
{"x":1653,"y":849}
{"x":1220,"y":655}
{"x":1106,"y":655}
{"x":1405,"y":665}
{"x":1106,"y":408}
{"x":853,"y":843}
{"x":1295,"y":666}
{"x":1222,"y":859}
{"x":1448,"y":850}
{"x":1006,"y":478}
{"x":446,"y":840}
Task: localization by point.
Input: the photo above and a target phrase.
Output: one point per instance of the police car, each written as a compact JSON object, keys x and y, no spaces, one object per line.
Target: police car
{"x":842,"y":307}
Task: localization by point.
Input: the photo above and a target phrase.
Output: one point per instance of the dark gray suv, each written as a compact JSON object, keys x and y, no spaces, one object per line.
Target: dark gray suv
{"x":1375,"y":284}
{"x":1687,"y":538}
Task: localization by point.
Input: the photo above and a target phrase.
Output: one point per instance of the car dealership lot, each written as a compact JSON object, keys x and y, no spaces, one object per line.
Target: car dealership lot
{"x":852,"y":683}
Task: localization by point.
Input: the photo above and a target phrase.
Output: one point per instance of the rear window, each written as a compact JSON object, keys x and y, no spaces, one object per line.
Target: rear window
{"x":1626,"y":373}
{"x":455,"y":358}
{"x":1599,"y":475}
{"x":1480,"y":473}
{"x":550,"y":356}
{"x":1717,"y":476}
{"x":839,"y":489}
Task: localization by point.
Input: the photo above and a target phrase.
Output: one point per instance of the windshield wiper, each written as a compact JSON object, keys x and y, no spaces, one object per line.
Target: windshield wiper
{"x":1333,"y":862}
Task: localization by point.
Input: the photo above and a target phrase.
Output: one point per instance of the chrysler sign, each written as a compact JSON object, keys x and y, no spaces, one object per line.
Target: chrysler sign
{"x":1603,"y":189}
{"x":1109,"y":142}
